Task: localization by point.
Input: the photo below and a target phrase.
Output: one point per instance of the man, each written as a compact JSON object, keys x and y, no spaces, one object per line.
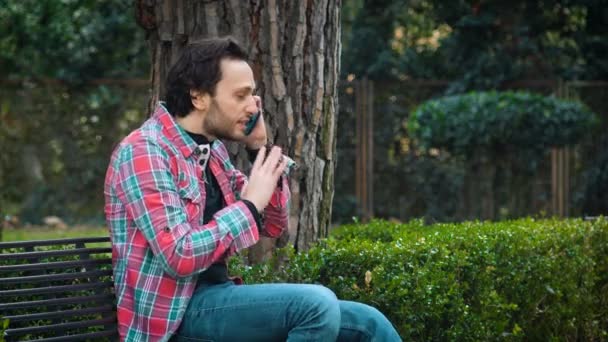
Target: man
{"x":177,"y":209}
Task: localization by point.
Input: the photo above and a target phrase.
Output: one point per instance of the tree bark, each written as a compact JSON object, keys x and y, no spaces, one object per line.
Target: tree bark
{"x":294,"y":49}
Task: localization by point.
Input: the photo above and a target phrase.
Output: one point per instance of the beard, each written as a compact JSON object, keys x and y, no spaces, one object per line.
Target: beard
{"x":217,"y":124}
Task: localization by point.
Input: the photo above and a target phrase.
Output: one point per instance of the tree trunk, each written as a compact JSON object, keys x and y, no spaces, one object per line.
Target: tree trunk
{"x":294,"y":51}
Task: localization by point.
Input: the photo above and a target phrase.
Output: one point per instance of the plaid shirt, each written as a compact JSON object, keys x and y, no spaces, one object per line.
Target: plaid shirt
{"x":155,"y":199}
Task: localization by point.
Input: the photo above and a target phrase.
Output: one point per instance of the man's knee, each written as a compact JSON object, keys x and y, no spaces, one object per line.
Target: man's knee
{"x":321,"y":307}
{"x":363,"y":322}
{"x":321,"y":299}
{"x":322,"y":293}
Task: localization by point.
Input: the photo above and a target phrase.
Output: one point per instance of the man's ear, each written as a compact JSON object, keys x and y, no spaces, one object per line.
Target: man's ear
{"x":200,"y":100}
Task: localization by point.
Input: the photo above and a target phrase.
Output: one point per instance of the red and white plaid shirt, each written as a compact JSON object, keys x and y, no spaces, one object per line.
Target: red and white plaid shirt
{"x":155,"y":199}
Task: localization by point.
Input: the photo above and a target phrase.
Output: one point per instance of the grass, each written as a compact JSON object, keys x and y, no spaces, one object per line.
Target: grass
{"x":45,"y":233}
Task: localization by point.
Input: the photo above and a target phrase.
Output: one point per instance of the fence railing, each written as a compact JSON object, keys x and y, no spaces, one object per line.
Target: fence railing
{"x":367,"y":97}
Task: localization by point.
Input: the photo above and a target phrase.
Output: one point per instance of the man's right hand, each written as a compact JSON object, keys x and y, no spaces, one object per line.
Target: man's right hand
{"x":264,"y":176}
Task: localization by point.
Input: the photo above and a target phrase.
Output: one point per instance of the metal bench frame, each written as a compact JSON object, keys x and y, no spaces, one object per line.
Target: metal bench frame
{"x":48,"y":298}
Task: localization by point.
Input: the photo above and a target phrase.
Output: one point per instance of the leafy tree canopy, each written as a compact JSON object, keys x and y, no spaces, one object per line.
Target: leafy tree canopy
{"x":478,"y":44}
{"x":70,"y":39}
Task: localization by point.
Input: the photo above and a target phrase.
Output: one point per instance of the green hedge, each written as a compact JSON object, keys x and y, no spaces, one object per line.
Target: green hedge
{"x":517,"y":280}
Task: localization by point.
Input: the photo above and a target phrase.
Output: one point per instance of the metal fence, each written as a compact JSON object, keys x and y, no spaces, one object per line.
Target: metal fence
{"x":370,"y":143}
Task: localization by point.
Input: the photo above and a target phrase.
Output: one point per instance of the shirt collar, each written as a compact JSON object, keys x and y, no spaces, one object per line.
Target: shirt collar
{"x":199,"y":139}
{"x":173,"y":131}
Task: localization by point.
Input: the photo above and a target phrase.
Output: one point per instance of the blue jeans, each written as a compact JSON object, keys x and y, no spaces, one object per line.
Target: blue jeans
{"x":279,"y":312}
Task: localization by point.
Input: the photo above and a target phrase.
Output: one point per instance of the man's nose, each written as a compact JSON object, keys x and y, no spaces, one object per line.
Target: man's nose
{"x":252,"y":106}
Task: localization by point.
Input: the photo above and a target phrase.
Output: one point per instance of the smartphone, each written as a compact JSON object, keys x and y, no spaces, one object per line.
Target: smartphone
{"x":251,"y":123}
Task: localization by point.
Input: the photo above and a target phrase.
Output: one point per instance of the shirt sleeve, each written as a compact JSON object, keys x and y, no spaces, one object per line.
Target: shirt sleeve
{"x":275,"y":218}
{"x":145,"y":185}
{"x":254,"y":211}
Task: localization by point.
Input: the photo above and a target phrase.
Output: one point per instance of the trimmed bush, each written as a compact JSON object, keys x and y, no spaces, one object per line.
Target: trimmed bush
{"x":516,"y":280}
{"x":487,"y":121}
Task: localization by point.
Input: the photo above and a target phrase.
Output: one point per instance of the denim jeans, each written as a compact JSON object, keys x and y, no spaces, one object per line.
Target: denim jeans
{"x":279,"y":312}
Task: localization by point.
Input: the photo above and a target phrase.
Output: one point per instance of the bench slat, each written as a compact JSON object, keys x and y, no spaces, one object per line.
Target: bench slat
{"x":60,"y":314}
{"x":56,"y":253}
{"x":36,"y":243}
{"x":83,"y":337}
{"x":60,"y":326}
{"x":56,"y":264}
{"x":56,"y":289}
{"x":47,"y":278}
{"x":103,"y":298}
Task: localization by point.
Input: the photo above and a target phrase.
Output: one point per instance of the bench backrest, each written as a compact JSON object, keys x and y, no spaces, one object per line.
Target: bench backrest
{"x":57,"y":290}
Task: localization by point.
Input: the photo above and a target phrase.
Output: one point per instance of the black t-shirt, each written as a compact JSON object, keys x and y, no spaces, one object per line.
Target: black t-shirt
{"x":213,"y":200}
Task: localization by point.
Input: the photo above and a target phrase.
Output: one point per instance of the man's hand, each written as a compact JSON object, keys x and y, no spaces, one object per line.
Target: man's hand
{"x":264,"y":177}
{"x":258,"y":137}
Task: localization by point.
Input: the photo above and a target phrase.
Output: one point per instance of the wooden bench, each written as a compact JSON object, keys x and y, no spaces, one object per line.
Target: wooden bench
{"x":57,"y":290}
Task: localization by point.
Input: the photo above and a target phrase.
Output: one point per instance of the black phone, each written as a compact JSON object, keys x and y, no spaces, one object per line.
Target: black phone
{"x":251,"y":123}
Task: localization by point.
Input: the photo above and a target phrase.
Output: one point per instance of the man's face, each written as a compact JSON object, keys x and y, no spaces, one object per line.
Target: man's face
{"x":233,"y":103}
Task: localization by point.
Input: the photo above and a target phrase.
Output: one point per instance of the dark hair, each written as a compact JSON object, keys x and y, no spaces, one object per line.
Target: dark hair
{"x":198,"y":68}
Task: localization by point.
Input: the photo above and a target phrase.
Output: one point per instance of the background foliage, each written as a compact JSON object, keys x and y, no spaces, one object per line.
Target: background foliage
{"x":72,"y":40}
{"x":58,"y":125}
{"x":475,"y":44}
{"x":58,"y":147}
